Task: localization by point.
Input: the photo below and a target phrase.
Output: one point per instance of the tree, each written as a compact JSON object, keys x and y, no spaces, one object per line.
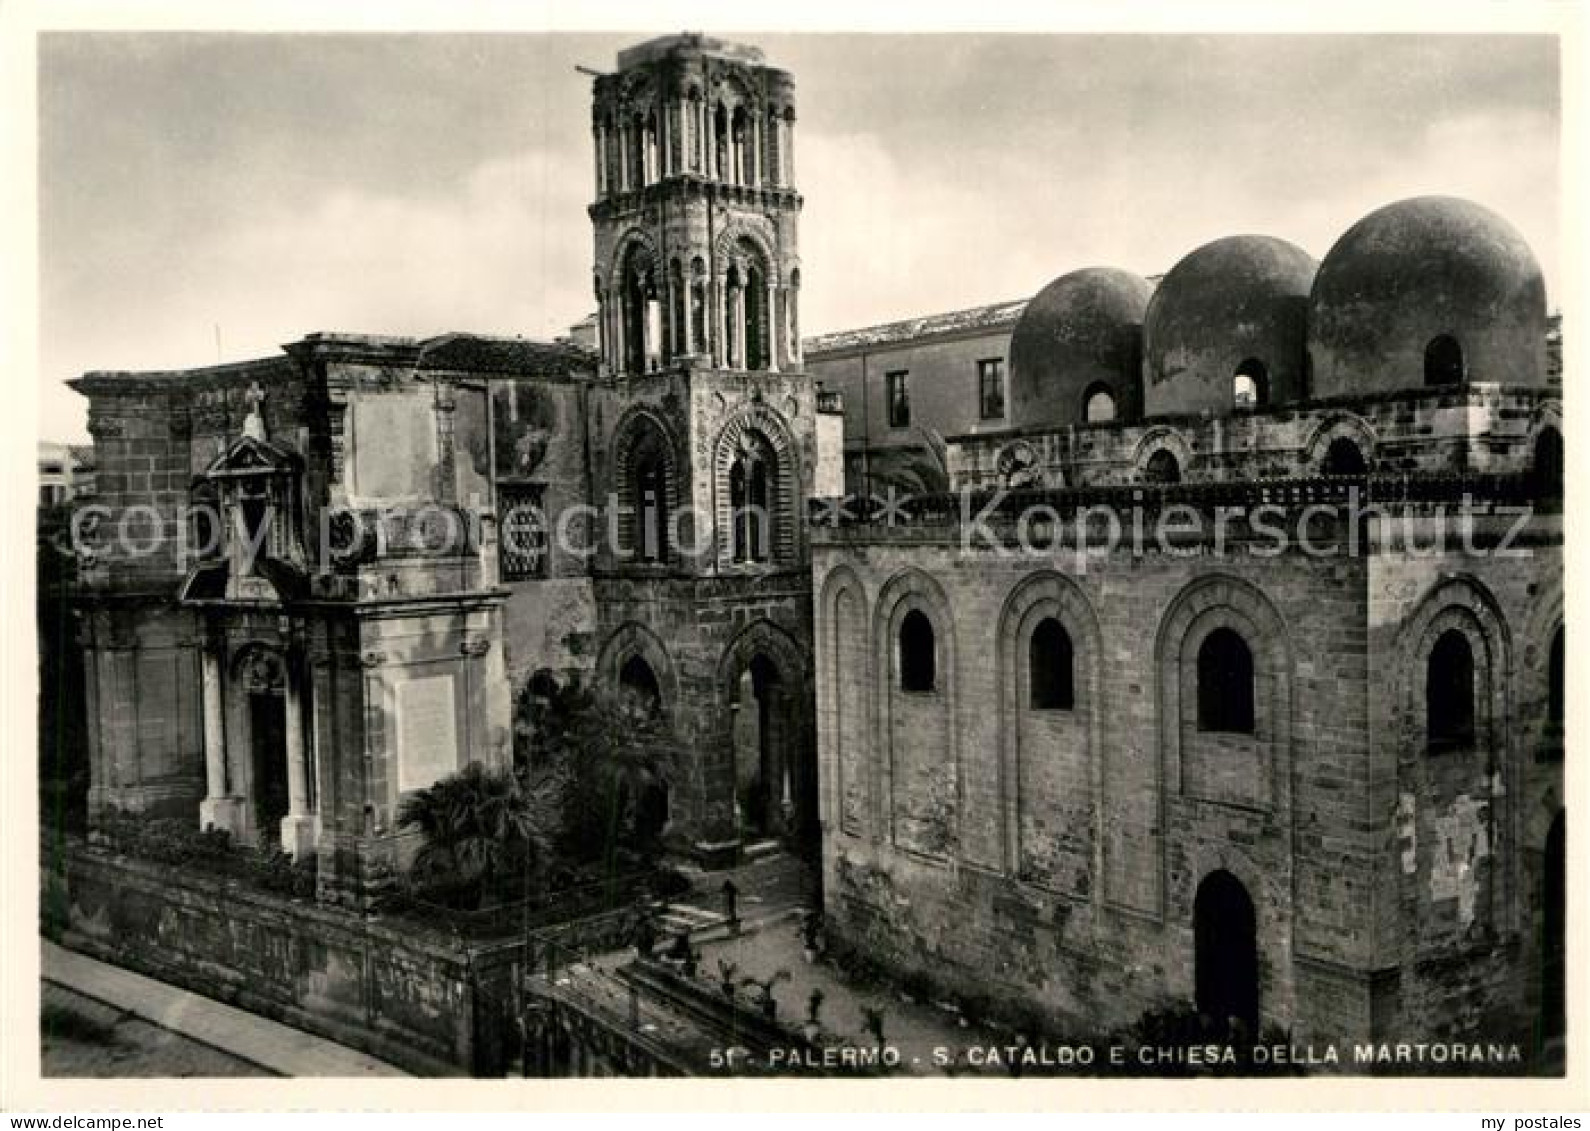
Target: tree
{"x":486,"y":832}
{"x":617,"y":754}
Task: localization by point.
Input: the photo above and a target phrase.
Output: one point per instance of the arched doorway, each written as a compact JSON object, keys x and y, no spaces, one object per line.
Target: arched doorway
{"x":1553,"y":933}
{"x":761,"y":783}
{"x":261,"y":681}
{"x":775,"y":775}
{"x":1162,"y":468}
{"x":642,"y":695}
{"x":1226,"y":952}
{"x":1344,"y":457}
{"x":1443,"y":361}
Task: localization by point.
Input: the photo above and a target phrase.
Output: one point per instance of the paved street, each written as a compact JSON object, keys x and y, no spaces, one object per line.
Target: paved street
{"x":108,"y":1021}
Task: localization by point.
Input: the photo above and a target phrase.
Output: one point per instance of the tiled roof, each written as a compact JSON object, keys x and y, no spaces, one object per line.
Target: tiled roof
{"x":477,"y":353}
{"x":992,"y":317}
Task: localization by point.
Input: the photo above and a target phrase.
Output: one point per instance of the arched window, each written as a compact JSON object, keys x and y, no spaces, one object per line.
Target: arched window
{"x":1344,"y":457}
{"x":637,"y":152}
{"x":740,"y":139}
{"x":750,"y":483}
{"x":918,"y":659}
{"x":1250,"y":385}
{"x":755,"y":322}
{"x":1225,"y":683}
{"x":638,"y":685}
{"x":1449,"y":693}
{"x":649,"y":496}
{"x":1547,"y":468}
{"x":720,"y":143}
{"x":1554,"y":681}
{"x":678,"y":327}
{"x":792,"y":303}
{"x":698,"y":306}
{"x":1098,"y":405}
{"x":637,"y":300}
{"x":1162,"y":468}
{"x":1050,"y":668}
{"x":733,"y":338}
{"x":1443,"y":361}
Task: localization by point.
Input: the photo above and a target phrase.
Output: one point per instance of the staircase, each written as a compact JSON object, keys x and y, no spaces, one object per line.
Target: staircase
{"x":676,"y":917}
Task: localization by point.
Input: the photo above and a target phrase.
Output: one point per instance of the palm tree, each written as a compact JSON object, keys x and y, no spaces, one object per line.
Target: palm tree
{"x":483,"y":829}
{"x":617,"y":752}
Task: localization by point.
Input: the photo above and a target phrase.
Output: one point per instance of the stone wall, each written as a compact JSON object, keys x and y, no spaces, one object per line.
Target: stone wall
{"x":392,"y":991}
{"x":1075,"y":841}
{"x":1454,"y":430}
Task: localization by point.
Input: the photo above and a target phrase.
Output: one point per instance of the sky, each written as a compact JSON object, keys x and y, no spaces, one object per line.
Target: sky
{"x":211,"y":196}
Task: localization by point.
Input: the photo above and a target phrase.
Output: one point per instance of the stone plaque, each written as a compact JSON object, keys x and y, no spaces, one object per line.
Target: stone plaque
{"x":427,"y":729}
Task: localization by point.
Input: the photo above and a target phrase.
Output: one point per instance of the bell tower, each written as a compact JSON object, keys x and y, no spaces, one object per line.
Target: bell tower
{"x":703,"y":434}
{"x":695,"y":211}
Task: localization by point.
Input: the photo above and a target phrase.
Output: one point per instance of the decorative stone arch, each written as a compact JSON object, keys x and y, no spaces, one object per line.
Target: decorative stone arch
{"x":632,"y":639}
{"x":1464,"y":604}
{"x":1547,"y":414}
{"x":784,"y":492}
{"x":1461,"y":602}
{"x":769,"y":639}
{"x":1544,"y":422}
{"x":1338,"y":426}
{"x":1041,"y":595}
{"x":733,"y":88}
{"x":844,"y":665}
{"x":1162,"y":438}
{"x":913,"y":589}
{"x":632,"y":426}
{"x":738,"y":234}
{"x":258,"y":666}
{"x":1213,"y":602}
{"x":634,"y":241}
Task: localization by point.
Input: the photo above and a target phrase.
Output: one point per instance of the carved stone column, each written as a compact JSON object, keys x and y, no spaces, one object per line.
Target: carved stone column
{"x":772,"y":326}
{"x":217,"y":810}
{"x":300,"y":828}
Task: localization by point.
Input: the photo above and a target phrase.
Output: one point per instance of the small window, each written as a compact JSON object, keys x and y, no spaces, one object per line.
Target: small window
{"x":638,"y":684}
{"x":1554,"y":682}
{"x":1344,"y":457}
{"x":1449,"y":693}
{"x":1443,"y":361}
{"x":899,"y":393}
{"x":1050,"y":667}
{"x":522,"y":533}
{"x":918,"y":659}
{"x":1250,"y":386}
{"x":991,"y":389}
{"x":1098,"y":405}
{"x":1162,"y":468}
{"x":1225,"y":683}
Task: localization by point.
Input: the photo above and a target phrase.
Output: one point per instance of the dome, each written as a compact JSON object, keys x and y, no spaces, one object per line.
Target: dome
{"x":1432,"y":290}
{"x":1080,"y":337}
{"x":1236,"y":306}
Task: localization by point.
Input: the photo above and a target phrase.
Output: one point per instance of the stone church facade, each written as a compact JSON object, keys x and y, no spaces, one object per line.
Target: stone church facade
{"x":1320,"y":790}
{"x":317,"y":582}
{"x":1283,"y":760}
